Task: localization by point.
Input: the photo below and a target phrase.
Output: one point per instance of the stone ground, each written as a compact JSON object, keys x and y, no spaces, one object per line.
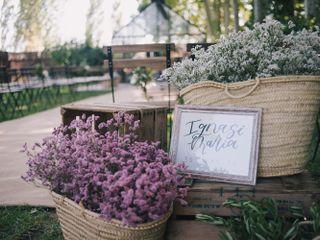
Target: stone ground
{"x":31,"y":129}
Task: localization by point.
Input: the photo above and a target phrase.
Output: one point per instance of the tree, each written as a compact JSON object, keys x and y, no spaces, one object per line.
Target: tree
{"x":214,"y":15}
{"x":116,"y":16}
{"x":34,"y":23}
{"x":94,"y":18}
{"x":259,"y":8}
{"x":209,"y":17}
{"x":226,"y":15}
{"x":5,"y":18}
{"x":28,"y":24}
{"x":217,"y":19}
{"x":309,"y":8}
{"x":282,"y":10}
{"x":235,"y":6}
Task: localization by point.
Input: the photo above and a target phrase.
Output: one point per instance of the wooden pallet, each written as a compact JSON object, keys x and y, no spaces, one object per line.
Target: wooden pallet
{"x":191,"y":230}
{"x":153,"y":118}
{"x":207,"y":197}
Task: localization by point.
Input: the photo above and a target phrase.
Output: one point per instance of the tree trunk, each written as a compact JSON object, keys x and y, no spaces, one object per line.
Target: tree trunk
{"x":283,"y":9}
{"x":259,"y":7}
{"x":289,"y":5}
{"x":216,"y":19}
{"x":209,"y":17}
{"x":226,"y":13}
{"x":236,"y":15}
{"x":6,"y":11}
{"x":309,"y":8}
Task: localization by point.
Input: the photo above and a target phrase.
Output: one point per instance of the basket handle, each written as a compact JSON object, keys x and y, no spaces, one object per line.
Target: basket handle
{"x":226,"y":90}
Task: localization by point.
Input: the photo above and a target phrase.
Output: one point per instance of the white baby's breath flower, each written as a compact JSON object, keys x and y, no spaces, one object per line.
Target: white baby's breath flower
{"x":263,"y":51}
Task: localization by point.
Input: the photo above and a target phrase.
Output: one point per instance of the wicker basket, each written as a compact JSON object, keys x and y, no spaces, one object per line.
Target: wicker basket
{"x":78,"y":223}
{"x":290,"y":107}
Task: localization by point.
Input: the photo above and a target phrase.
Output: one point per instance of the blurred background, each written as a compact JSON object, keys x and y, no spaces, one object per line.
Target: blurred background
{"x":36,"y":25}
{"x":54,"y":51}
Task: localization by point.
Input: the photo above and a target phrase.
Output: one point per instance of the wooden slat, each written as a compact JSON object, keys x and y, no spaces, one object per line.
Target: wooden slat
{"x":156,"y":47}
{"x":191,"y":229}
{"x":153,"y":119}
{"x":207,"y":197}
{"x":163,"y":104}
{"x":157,"y":63}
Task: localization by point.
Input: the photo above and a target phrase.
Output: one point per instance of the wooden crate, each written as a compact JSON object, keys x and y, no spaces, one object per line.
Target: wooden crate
{"x":207,"y":197}
{"x":153,"y":119}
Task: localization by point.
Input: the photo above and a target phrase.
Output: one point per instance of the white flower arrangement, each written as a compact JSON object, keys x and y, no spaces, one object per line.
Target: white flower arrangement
{"x":264,"y":51}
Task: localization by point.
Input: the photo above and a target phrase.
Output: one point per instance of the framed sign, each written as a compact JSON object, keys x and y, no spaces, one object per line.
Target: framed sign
{"x":219,"y":143}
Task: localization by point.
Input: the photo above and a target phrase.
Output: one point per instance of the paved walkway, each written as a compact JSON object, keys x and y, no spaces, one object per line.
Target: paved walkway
{"x":31,"y":129}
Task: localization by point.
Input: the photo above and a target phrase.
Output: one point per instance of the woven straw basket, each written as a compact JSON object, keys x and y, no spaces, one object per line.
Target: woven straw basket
{"x":290,"y":106}
{"x":78,"y":223}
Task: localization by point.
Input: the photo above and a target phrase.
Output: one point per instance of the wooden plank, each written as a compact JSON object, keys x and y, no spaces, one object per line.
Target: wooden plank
{"x":191,"y":230}
{"x":153,"y":123}
{"x":159,"y":126}
{"x":163,"y":104}
{"x":157,"y":63}
{"x":208,"y":197}
{"x":147,"y":114}
{"x":156,"y":47}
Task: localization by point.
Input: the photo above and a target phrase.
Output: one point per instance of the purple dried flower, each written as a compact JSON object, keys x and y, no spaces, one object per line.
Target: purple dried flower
{"x":111,"y":174}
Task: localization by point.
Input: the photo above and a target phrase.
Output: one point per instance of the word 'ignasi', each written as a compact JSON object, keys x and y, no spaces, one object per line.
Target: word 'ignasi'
{"x":213,"y":136}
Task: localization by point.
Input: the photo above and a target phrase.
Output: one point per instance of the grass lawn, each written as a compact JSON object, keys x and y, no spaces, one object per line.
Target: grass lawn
{"x":25,"y":222}
{"x":29,"y":101}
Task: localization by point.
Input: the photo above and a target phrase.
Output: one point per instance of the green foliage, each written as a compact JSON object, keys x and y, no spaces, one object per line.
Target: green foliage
{"x":29,"y":223}
{"x":143,"y":4}
{"x":21,"y":103}
{"x":288,"y":10}
{"x":6,"y":14}
{"x":314,"y":164}
{"x":281,"y":10}
{"x":70,"y":54}
{"x":35,"y":23}
{"x":141,"y":77}
{"x":39,"y":71}
{"x":261,"y":220}
{"x":315,"y":214}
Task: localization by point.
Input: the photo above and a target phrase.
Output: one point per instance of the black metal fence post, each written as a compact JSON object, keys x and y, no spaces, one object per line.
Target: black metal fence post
{"x":110,"y":64}
{"x":168,"y":64}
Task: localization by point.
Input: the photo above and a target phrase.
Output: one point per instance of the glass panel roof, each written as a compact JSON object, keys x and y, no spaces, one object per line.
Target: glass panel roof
{"x":157,"y":23}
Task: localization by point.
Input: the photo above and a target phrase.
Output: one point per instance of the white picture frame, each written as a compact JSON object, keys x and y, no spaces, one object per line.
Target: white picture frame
{"x":217,"y":143}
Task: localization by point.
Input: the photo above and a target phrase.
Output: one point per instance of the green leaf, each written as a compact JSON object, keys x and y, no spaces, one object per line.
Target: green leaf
{"x":226,"y":236}
{"x":247,"y":224}
{"x":253,"y":207}
{"x":259,"y":236}
{"x":210,"y":219}
{"x":263,"y":228}
{"x":292,"y":232}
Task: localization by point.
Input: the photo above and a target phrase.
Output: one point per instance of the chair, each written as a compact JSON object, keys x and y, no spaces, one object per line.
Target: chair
{"x":157,"y":57}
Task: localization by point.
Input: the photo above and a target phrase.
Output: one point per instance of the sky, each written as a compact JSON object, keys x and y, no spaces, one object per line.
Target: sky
{"x":72,"y":20}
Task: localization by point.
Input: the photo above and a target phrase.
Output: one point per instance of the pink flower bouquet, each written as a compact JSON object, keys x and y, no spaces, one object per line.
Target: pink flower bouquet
{"x":110,"y":174}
